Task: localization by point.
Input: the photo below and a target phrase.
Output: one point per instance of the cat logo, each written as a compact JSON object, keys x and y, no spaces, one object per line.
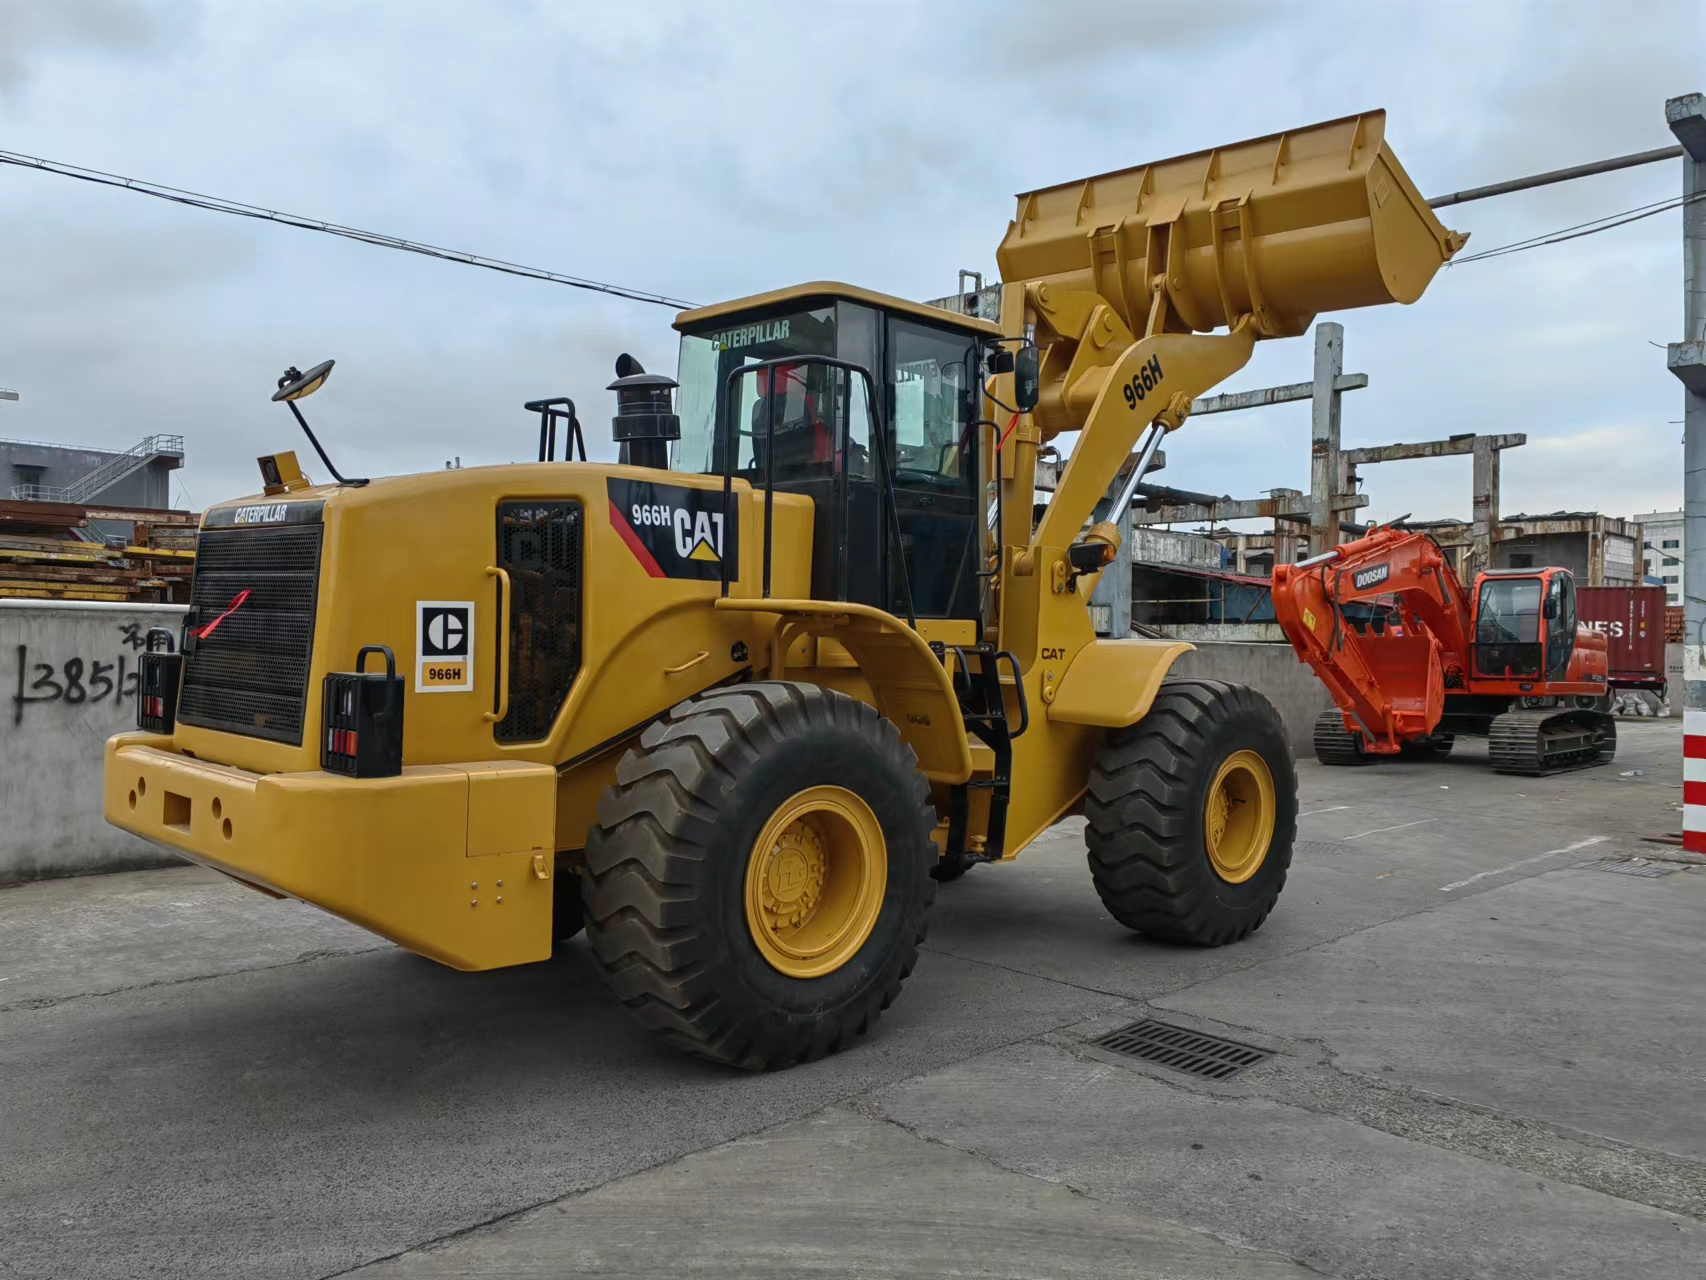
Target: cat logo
{"x":701,"y":548}
{"x":673,"y":531}
{"x":444,"y":646}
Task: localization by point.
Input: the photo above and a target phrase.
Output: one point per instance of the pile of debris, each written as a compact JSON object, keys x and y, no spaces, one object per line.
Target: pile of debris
{"x":63,"y":551}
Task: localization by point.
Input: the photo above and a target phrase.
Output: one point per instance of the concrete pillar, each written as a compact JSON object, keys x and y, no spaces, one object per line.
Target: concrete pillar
{"x":1687,"y":360}
{"x":1113,"y":588}
{"x":1285,"y":531}
{"x":1484,"y":524}
{"x":1324,"y":438}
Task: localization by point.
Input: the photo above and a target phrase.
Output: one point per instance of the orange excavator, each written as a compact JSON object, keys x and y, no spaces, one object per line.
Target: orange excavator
{"x":1412,"y":660}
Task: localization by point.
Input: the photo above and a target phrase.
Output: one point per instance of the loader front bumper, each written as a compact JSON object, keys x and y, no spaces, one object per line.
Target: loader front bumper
{"x":453,"y":861}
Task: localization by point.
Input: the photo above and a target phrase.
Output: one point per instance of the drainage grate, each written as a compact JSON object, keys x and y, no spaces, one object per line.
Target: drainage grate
{"x":1652,"y":870}
{"x":1182,"y":1049}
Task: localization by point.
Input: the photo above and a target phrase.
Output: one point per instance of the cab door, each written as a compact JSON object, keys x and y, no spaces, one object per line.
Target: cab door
{"x":1560,"y":615}
{"x":934,"y":393}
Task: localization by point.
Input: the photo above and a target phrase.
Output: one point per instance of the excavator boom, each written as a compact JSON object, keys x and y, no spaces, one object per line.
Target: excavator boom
{"x":1381,"y":620}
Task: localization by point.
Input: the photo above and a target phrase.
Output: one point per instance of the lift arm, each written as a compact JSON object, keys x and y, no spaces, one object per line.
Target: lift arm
{"x":1146,"y":287}
{"x":1164,"y":371}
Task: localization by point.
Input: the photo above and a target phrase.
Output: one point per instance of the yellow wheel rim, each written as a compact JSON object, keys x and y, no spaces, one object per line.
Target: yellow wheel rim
{"x":1238,"y":820}
{"x":815,"y":881}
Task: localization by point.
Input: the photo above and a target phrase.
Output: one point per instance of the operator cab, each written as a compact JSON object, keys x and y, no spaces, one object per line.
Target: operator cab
{"x":1525,"y":624}
{"x":792,"y":389}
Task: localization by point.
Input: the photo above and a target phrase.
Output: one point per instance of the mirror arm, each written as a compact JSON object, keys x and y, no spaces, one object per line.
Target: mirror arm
{"x":307,"y":431}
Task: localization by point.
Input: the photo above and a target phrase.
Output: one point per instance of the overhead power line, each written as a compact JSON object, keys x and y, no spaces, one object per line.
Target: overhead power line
{"x":216,"y":204}
{"x":1581,"y":229}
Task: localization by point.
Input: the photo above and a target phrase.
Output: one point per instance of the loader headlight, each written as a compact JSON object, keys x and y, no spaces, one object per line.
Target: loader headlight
{"x":1087,"y":557}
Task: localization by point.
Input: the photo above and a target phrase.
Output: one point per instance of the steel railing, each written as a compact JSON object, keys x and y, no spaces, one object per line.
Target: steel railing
{"x":106,"y":475}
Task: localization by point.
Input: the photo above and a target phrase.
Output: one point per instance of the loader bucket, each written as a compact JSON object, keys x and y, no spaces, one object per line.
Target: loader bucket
{"x":1278,"y":228}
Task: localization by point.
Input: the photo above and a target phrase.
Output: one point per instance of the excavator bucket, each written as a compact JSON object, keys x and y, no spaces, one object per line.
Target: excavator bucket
{"x":1278,"y":228}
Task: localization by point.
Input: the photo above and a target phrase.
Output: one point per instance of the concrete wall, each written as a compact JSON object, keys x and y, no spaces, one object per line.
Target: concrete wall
{"x":1274,"y":670}
{"x":1222,"y":632}
{"x":1162,"y":546}
{"x":68,"y":676}
{"x":1540,"y":551}
{"x":1575,"y":552}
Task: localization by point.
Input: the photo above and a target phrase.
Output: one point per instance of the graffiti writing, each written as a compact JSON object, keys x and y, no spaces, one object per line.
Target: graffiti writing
{"x":75,"y":681}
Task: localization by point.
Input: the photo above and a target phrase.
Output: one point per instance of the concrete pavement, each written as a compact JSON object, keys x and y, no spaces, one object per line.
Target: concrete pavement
{"x":1490,"y":1062}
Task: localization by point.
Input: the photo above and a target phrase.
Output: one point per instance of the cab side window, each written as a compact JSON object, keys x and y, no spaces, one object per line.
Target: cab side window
{"x":932,"y":377}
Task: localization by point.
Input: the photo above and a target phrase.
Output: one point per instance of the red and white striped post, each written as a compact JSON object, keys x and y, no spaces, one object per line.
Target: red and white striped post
{"x":1687,"y":360}
{"x":1694,"y":781}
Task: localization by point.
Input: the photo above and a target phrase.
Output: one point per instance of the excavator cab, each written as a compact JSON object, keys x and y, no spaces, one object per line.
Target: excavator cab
{"x":1524,"y":624}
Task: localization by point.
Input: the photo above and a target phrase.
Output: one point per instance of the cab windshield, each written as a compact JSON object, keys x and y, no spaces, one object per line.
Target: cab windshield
{"x":806,"y":398}
{"x":1509,"y":612}
{"x":1507,"y":628}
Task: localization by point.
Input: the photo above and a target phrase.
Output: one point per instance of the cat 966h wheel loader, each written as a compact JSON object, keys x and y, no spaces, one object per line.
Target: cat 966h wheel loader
{"x":740,"y":700}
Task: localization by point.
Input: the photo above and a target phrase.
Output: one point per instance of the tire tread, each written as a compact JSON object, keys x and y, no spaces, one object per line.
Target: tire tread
{"x":1143,"y":856}
{"x":655,"y":828}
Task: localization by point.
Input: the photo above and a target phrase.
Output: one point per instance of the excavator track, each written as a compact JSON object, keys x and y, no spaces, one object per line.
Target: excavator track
{"x":1335,"y":744}
{"x":1538,"y":743}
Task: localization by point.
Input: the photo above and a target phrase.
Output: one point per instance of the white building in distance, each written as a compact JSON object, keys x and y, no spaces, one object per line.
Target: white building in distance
{"x":1661,"y":545}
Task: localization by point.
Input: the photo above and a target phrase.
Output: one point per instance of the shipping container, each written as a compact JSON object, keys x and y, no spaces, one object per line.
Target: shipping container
{"x":1632,"y":619}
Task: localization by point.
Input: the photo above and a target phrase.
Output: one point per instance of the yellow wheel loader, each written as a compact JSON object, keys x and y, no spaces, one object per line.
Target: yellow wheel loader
{"x":737,"y":703}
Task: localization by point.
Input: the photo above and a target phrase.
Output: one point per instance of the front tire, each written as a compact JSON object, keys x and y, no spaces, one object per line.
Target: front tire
{"x":757,"y":882}
{"x":1192,"y":812}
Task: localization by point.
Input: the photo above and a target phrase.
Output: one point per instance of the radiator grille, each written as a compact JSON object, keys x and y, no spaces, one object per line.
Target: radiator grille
{"x":539,"y":544}
{"x":250,"y":676}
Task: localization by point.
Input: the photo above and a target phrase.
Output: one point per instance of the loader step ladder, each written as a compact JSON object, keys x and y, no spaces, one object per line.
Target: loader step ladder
{"x":976,"y":671}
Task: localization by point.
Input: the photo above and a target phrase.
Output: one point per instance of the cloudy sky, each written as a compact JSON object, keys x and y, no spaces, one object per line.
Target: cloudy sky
{"x":712,"y":150}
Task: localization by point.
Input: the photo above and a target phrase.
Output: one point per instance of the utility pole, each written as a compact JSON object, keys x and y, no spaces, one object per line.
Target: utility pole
{"x":1324,"y":437}
{"x":1687,"y":360}
{"x":1484,"y":497}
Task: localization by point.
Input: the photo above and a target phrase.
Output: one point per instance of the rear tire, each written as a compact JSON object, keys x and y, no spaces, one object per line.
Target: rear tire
{"x":695,"y":910}
{"x":1153,"y":853}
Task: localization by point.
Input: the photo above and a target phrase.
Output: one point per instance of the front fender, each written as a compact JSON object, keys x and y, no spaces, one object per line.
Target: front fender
{"x":1111,"y":683}
{"x":910,"y":685}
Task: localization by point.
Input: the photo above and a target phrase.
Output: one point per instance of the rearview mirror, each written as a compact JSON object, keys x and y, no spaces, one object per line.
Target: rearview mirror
{"x":296,"y":385}
{"x":1550,"y":609}
{"x":1027,"y":378}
